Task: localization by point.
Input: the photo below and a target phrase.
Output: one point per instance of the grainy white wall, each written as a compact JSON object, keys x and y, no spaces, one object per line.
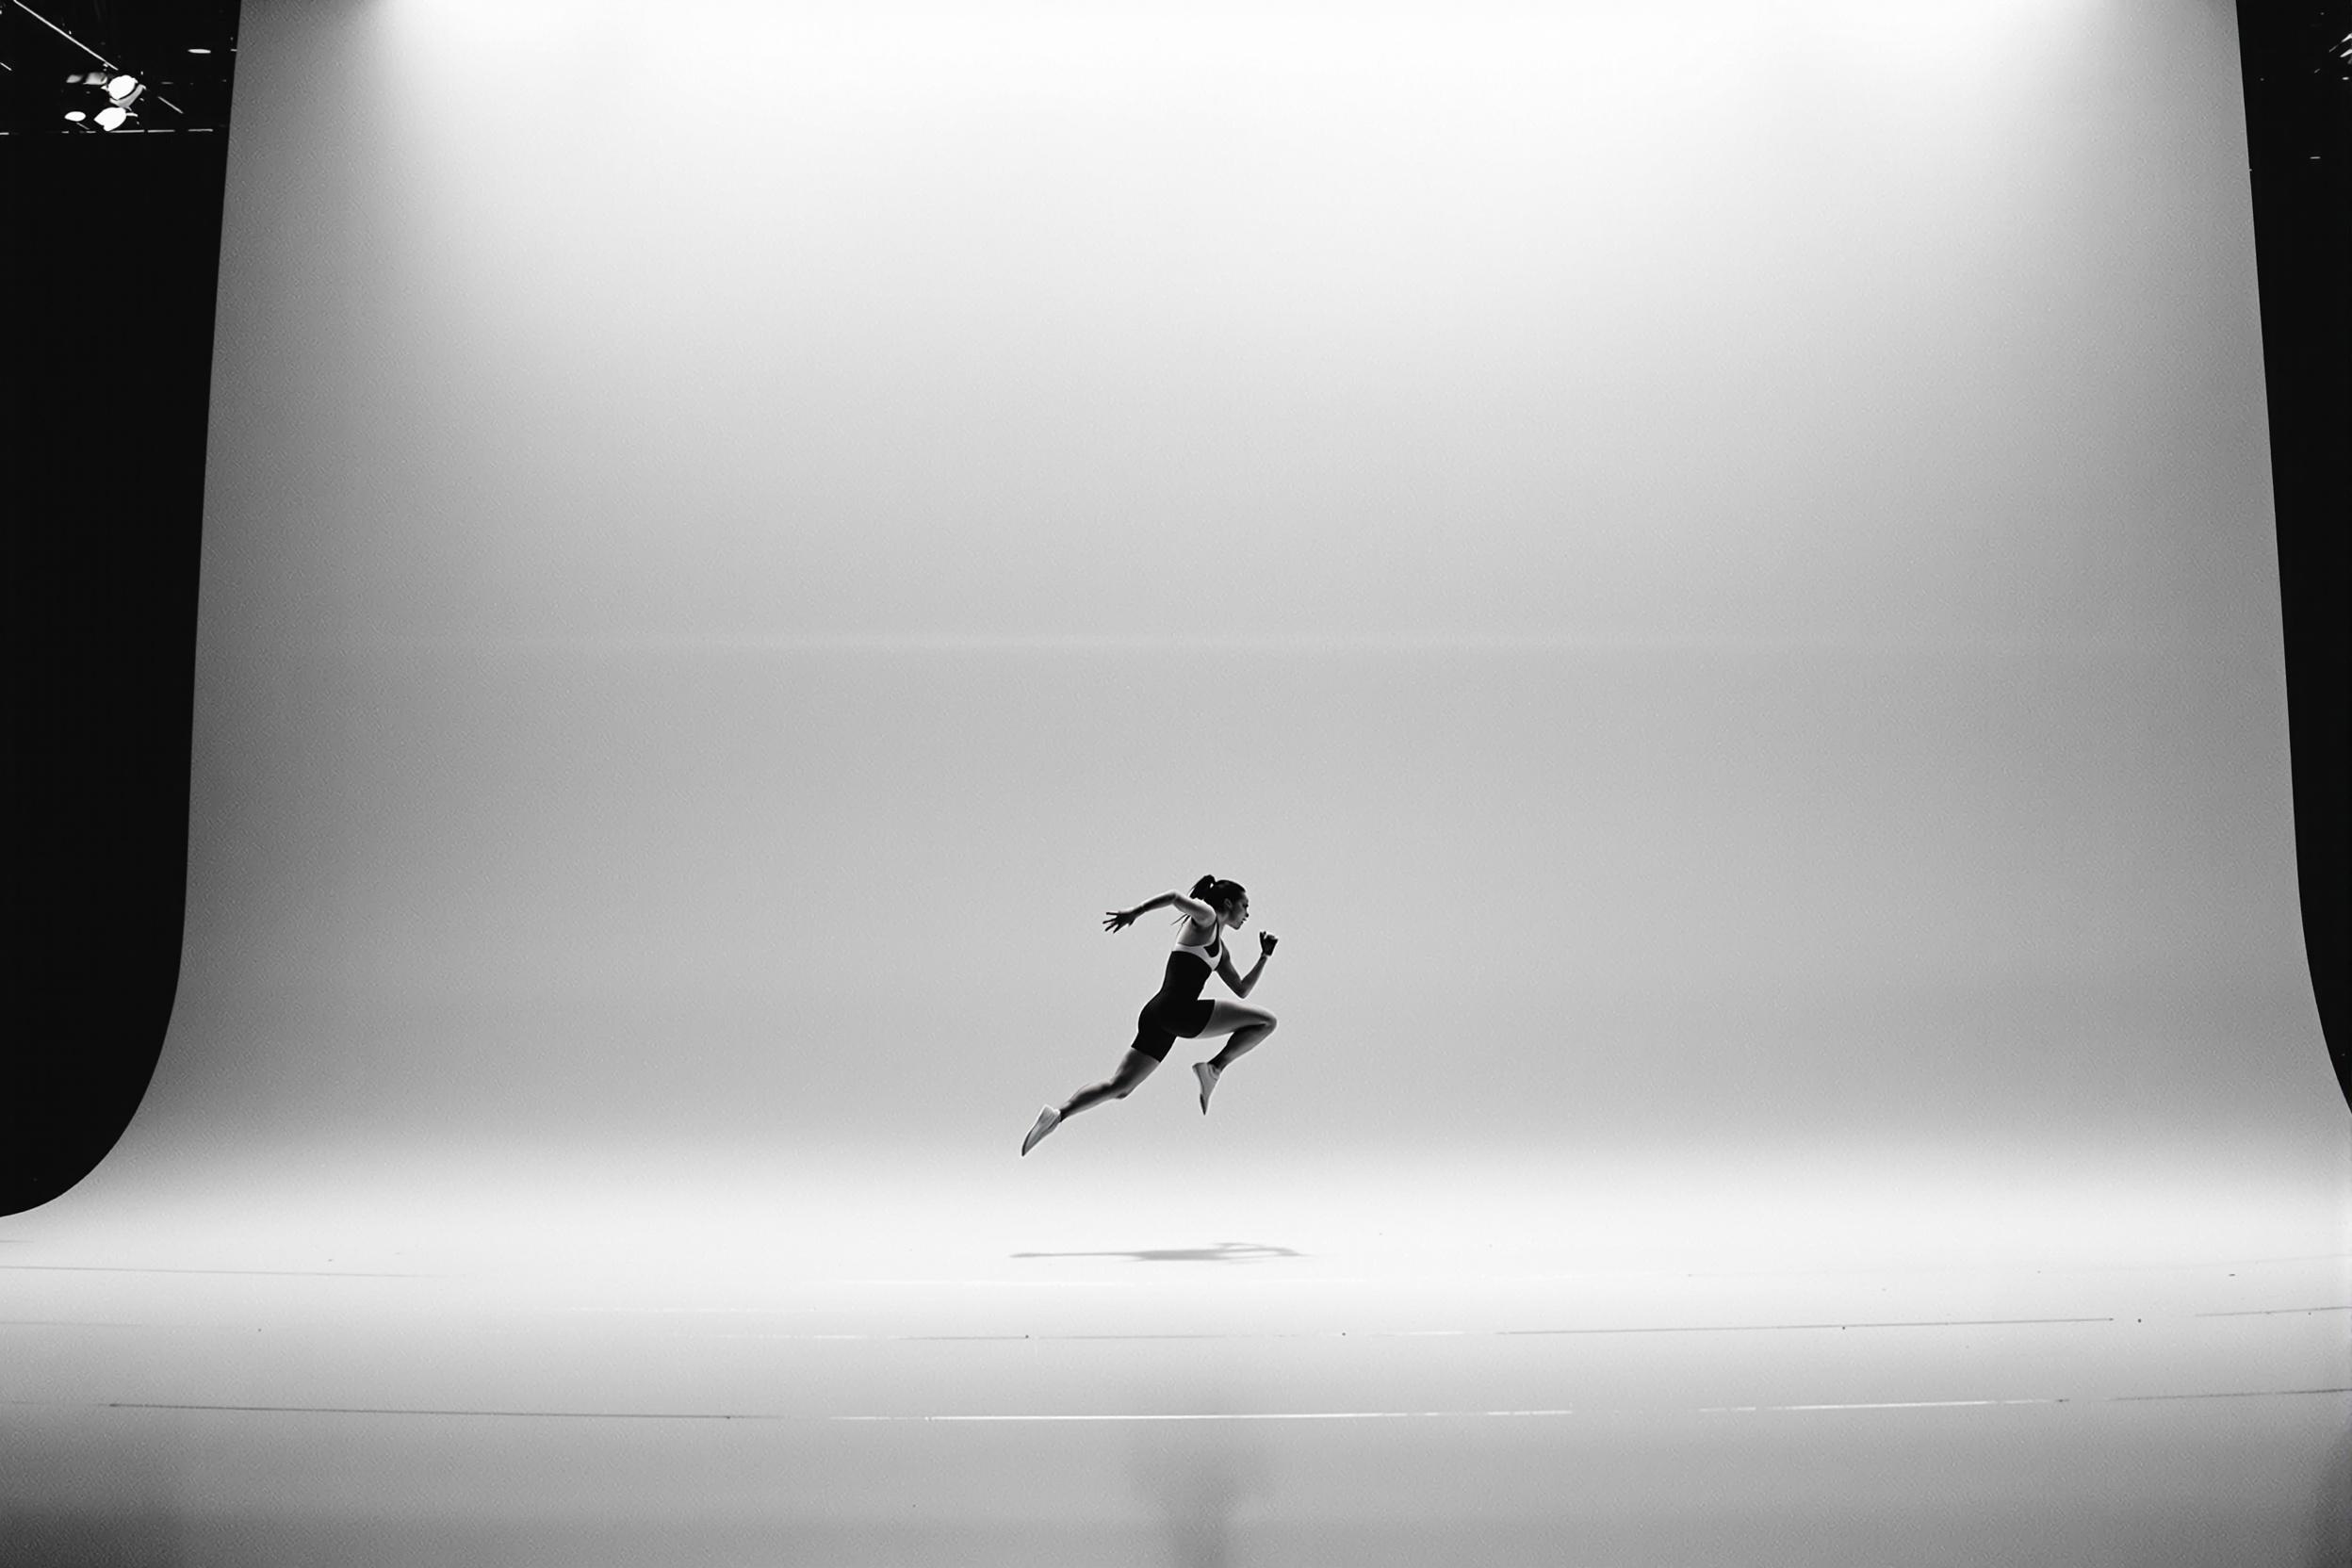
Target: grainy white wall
{"x":1711,"y":569}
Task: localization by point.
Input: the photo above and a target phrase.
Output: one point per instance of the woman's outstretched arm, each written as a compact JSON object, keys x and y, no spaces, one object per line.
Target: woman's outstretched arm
{"x":1202,"y":914}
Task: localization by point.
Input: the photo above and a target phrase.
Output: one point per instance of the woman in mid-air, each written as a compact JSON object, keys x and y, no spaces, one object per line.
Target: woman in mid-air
{"x":1180,"y":1009}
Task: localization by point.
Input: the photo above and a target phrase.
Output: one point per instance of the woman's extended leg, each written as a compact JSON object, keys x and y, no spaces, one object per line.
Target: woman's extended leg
{"x":1133,"y":1068}
{"x":1248,"y":1028}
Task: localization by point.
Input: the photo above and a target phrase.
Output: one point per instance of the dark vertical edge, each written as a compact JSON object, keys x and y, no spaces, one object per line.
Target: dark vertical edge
{"x":116,"y":260}
{"x":2300,"y":155}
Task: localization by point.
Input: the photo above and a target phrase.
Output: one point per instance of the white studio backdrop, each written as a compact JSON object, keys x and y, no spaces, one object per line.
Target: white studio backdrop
{"x":1713,"y":573}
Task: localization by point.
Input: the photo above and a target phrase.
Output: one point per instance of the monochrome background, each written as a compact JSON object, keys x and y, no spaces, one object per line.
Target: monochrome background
{"x":1712,"y":574}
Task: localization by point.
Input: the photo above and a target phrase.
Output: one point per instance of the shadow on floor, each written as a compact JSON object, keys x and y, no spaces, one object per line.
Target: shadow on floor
{"x":1224,"y":1251}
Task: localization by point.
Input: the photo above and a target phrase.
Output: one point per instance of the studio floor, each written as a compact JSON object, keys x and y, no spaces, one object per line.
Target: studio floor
{"x":316,"y":1357}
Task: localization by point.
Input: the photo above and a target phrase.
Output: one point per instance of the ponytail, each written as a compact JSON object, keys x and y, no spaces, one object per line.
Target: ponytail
{"x":1216,"y":893}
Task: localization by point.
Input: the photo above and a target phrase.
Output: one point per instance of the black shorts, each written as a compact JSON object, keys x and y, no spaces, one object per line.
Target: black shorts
{"x":1159,"y":1024}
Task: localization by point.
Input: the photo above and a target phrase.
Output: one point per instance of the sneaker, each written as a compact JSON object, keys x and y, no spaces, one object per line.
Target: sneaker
{"x":1208,"y":1076}
{"x":1048,"y":1120}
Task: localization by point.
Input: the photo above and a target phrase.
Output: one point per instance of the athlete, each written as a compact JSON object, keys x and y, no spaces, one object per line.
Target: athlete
{"x":1180,"y":1009}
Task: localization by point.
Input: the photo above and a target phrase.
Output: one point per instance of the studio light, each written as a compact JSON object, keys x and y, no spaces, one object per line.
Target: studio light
{"x":106,"y":98}
{"x":103,"y":94}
